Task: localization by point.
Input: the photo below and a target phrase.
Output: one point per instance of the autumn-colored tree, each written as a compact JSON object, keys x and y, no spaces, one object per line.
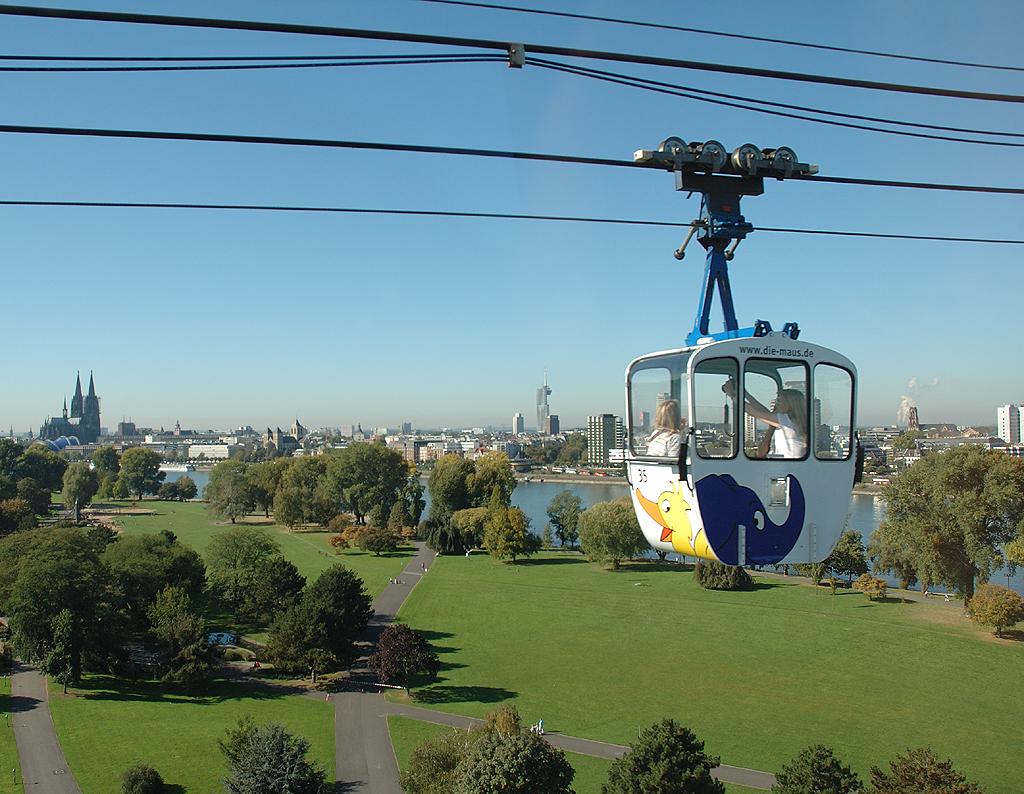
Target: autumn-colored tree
{"x":871,"y":586}
{"x":996,"y":606}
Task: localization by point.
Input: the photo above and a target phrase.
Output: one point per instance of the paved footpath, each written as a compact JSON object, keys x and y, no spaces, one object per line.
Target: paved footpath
{"x":365,"y":759}
{"x":43,"y":768}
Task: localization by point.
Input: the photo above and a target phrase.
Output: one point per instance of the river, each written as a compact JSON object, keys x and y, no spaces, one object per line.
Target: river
{"x":533,"y":498}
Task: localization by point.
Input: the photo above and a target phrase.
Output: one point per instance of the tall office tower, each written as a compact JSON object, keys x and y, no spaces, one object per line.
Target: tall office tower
{"x":543,"y":410}
{"x":604,"y":432}
{"x":518,"y":424}
{"x":553,"y":427}
{"x":1008,"y":419}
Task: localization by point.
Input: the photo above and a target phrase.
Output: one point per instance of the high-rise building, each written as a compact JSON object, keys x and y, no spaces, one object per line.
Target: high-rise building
{"x":553,"y":427}
{"x":543,"y":410}
{"x":1008,"y":419}
{"x":604,"y":432}
{"x":518,"y":424}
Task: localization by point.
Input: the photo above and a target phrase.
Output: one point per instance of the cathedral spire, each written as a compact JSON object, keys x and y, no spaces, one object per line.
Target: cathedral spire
{"x":92,"y":389}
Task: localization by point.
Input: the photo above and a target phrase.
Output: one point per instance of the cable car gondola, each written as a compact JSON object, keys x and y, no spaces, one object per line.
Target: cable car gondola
{"x":741,"y":445}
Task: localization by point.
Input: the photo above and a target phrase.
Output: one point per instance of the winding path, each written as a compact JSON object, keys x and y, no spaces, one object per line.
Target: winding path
{"x":365,"y":758}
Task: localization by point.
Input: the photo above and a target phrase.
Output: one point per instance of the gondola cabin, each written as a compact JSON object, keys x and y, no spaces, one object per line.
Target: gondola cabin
{"x":742,"y":450}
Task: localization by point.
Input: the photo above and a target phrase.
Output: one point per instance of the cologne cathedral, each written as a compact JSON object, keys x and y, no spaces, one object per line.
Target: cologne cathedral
{"x":82,"y":423}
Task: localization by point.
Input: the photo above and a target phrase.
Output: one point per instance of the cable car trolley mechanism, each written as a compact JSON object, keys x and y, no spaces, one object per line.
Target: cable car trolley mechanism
{"x":741,"y":444}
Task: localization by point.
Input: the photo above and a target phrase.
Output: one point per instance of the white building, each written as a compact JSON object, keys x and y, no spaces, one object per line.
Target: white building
{"x":518,"y":424}
{"x":1008,"y":419}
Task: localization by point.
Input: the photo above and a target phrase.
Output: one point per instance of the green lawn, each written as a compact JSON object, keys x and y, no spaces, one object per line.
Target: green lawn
{"x":107,"y":724}
{"x":307,"y":550}
{"x":8,"y":747}
{"x":758,"y":676}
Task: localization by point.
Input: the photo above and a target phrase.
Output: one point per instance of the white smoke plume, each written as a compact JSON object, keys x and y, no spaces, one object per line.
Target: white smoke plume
{"x":903,"y":414}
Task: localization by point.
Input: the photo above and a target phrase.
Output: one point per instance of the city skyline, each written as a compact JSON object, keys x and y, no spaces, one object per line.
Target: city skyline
{"x":219,"y":317}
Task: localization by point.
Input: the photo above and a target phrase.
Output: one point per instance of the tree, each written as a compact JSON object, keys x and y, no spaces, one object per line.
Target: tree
{"x":546,"y":538}
{"x":270,"y":760}
{"x":816,"y":771}
{"x":378,"y":540}
{"x":921,"y":772}
{"x":289,"y":508}
{"x":143,"y":565}
{"x":57,"y":569}
{"x":848,"y":558}
{"x":401,"y":654}
{"x":365,"y":474}
{"x":609,"y":532}
{"x":435,"y":761}
{"x":305,"y":494}
{"x":235,"y":556}
{"x":38,"y":498}
{"x":63,"y":660}
{"x":43,"y":465}
{"x":449,"y":487}
{"x":871,"y":586}
{"x":168,"y":492}
{"x":182,"y":633}
{"x":815,"y":571}
{"x":506,"y":530}
{"x":106,"y":461}
{"x":263,"y":480}
{"x":667,"y":759}
{"x":140,"y":471}
{"x":319,"y":633}
{"x":564,"y":512}
{"x":187,"y":488}
{"x":888,"y":556}
{"x":996,"y":606}
{"x":951,"y":512}
{"x":16,"y":515}
{"x":491,"y":470}
{"x":513,"y":763}
{"x":141,"y":779}
{"x":10,"y":452}
{"x":276,"y":588}
{"x":471,"y":525}
{"x":227,"y":493}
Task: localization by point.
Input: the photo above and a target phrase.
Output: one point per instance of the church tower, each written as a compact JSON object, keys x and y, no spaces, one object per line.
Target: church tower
{"x":77,"y":402}
{"x":89,"y":430}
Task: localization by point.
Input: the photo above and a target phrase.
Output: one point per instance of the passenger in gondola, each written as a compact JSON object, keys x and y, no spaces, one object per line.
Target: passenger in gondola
{"x":667,"y":436}
{"x":787,"y":421}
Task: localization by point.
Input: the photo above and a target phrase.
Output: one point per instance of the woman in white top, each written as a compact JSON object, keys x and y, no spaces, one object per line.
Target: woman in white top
{"x":665,"y":440}
{"x":789,"y":420}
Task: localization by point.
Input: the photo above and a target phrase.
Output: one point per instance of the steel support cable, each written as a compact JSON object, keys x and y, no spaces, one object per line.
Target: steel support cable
{"x":543,"y":49}
{"x":309,"y":61}
{"x":465,"y":152}
{"x":372,"y":61}
{"x":723,"y":34}
{"x":474,"y":215}
{"x":628,"y":81}
{"x":641,"y":82}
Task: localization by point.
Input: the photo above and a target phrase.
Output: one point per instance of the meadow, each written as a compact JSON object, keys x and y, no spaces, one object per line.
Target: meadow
{"x":106,"y":725}
{"x":757,"y":675}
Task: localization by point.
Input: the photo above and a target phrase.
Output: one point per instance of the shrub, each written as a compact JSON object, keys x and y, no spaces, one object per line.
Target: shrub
{"x":141,"y":779}
{"x":713,"y":575}
{"x":337,"y":542}
{"x":871,"y":585}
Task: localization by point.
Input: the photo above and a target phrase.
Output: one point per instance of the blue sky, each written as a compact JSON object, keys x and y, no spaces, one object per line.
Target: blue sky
{"x":224,"y":318}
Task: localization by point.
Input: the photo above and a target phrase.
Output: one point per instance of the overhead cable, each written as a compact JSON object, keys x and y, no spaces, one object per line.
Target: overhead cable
{"x":371,"y":60}
{"x":723,"y":34}
{"x":321,"y":61}
{"x":702,"y":95}
{"x":380,"y":35}
{"x":460,"y":151}
{"x":476,"y":215}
